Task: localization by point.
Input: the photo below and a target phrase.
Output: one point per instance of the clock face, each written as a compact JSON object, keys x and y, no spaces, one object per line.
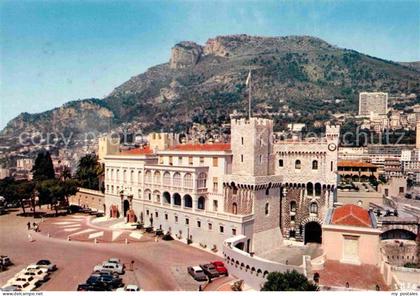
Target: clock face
{"x":332,"y":147}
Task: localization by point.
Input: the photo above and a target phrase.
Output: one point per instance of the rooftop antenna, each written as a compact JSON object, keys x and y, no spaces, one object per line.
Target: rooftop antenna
{"x":248,"y":83}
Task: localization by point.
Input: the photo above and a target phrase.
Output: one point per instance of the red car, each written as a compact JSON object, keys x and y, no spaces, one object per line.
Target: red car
{"x":220,"y":267}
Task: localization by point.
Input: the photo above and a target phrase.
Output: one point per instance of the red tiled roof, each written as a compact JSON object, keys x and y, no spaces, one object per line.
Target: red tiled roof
{"x":351,"y":215}
{"x":201,"y":147}
{"x":352,"y":163}
{"x":138,"y":151}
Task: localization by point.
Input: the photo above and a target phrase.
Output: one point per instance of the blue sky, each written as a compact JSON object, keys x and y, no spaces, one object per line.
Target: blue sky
{"x":55,"y":51}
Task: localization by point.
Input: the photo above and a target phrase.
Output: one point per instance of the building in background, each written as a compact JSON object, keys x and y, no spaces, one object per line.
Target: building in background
{"x":373,"y":102}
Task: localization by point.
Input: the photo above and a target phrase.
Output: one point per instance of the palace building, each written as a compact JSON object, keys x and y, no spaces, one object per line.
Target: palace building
{"x":254,"y":186}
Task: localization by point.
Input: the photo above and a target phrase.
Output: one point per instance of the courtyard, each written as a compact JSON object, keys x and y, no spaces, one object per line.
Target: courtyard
{"x":158,"y":266}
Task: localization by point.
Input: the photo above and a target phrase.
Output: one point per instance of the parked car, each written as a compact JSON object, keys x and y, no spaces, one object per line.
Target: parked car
{"x":93,"y":279}
{"x":210,"y":270}
{"x":21,"y":286}
{"x":220,"y":267}
{"x":5,"y":260}
{"x":197,"y":273}
{"x":106,"y":272}
{"x":129,"y":288}
{"x":106,"y":266}
{"x":113,"y":260}
{"x":21,"y":279}
{"x":10,"y":288}
{"x":74,"y":209}
{"x":111,"y":281}
{"x":46,"y":264}
{"x":38,"y":273}
{"x":98,"y":286}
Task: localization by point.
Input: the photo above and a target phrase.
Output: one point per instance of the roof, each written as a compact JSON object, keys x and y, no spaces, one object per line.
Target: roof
{"x":353,"y":163}
{"x":138,"y":151}
{"x":351,"y":215}
{"x":201,"y":147}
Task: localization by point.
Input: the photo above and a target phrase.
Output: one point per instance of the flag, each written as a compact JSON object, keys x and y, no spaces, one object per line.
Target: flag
{"x":248,"y":79}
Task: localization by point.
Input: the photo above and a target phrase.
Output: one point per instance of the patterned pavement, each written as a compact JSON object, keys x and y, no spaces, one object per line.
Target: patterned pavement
{"x":81,"y":228}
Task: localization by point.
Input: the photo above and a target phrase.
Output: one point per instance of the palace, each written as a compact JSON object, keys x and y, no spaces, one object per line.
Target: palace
{"x":254,"y":186}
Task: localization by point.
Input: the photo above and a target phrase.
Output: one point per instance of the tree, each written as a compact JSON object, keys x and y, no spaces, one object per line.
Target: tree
{"x":65,"y":174}
{"x":43,"y":168}
{"x":89,"y":171}
{"x":288,"y":281}
{"x":50,"y":192}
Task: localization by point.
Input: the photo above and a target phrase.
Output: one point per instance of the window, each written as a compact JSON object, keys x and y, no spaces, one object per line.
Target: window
{"x":201,"y":160}
{"x":187,"y":221}
{"x":242,"y":158}
{"x":315,"y":164}
{"x":215,"y":184}
{"x":156,"y":214}
{"x":332,"y":166}
{"x":260,"y":158}
{"x":242,"y":140}
{"x":179,"y":160}
{"x":233,"y":231}
{"x":281,"y":163}
{"x":170,"y":160}
{"x":166,"y":216}
{"x":386,"y":191}
{"x":234,"y":208}
{"x":267,"y":209}
{"x":215,"y":161}
{"x":298,"y":164}
{"x":198,"y":224}
{"x":176,"y":219}
{"x":292,"y":218}
{"x":293,"y":206}
{"x":210,"y":226}
{"x":314,"y":208}
{"x":401,"y":189}
{"x":147,"y":212}
{"x":190,"y":160}
{"x":222,"y":229}
{"x":160,"y":160}
{"x":215,"y":205}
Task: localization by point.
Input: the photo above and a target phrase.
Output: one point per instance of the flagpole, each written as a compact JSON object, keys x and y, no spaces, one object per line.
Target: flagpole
{"x":249,"y":95}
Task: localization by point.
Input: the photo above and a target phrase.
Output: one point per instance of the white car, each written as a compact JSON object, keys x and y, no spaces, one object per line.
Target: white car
{"x":22,"y":279}
{"x":19,"y":287}
{"x":129,"y":288}
{"x":38,"y":273}
{"x":107,"y":266}
{"x":113,"y":260}
{"x":46,"y":264}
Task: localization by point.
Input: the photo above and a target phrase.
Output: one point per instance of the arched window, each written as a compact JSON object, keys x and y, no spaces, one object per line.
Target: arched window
{"x":156,"y":195}
{"x":124,"y":175}
{"x":293,"y":206}
{"x":235,"y":208}
{"x":298,"y":164}
{"x":314,"y":208}
{"x":315,"y":164}
{"x":267,"y":208}
{"x":177,"y":199}
{"x":310,"y":189}
{"x":317,"y":189}
{"x":156,"y":177}
{"x":202,"y":180}
{"x":166,"y":178}
{"x":187,"y":201}
{"x":201,"y":203}
{"x":148,"y":176}
{"x":188,"y":180}
{"x":147,"y":194}
{"x":177,"y":180}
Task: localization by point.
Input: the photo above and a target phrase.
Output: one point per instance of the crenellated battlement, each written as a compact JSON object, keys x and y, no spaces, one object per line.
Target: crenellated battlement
{"x":253,"y":121}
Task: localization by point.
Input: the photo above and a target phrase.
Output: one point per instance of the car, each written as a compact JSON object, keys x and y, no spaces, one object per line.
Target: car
{"x":113,"y":260}
{"x":129,"y":288}
{"x":21,"y":279}
{"x":210,"y":270}
{"x":106,"y":272}
{"x":111,"y":281}
{"x":197,"y":273}
{"x":93,"y":279}
{"x":10,"y":288}
{"x":220,"y":267}
{"x":99,"y":286}
{"x":46,"y":264}
{"x":5,"y":260}
{"x":39,"y":273}
{"x":21,"y":286}
{"x":74,"y":209}
{"x":113,"y":267}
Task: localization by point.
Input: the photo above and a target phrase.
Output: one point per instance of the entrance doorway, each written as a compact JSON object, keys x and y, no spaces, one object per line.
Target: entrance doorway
{"x":126,"y":207}
{"x":313,"y":233}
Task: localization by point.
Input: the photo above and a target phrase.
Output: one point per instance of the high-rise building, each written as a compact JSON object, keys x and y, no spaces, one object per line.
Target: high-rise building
{"x":373,"y":102}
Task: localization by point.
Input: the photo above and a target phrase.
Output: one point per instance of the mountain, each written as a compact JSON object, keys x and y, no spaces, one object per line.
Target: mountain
{"x":204,"y":83}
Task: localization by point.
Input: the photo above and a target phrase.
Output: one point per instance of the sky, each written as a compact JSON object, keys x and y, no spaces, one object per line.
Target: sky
{"x":55,"y":51}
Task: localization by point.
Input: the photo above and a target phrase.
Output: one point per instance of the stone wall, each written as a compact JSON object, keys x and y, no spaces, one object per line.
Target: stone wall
{"x":92,"y":199}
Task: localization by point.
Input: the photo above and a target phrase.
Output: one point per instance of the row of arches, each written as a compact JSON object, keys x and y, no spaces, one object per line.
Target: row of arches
{"x":186,"y":201}
{"x":247,"y":268}
{"x":298,"y":164}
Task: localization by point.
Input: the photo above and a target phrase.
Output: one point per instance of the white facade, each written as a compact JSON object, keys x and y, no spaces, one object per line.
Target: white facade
{"x":210,"y":192}
{"x":373,"y":102}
